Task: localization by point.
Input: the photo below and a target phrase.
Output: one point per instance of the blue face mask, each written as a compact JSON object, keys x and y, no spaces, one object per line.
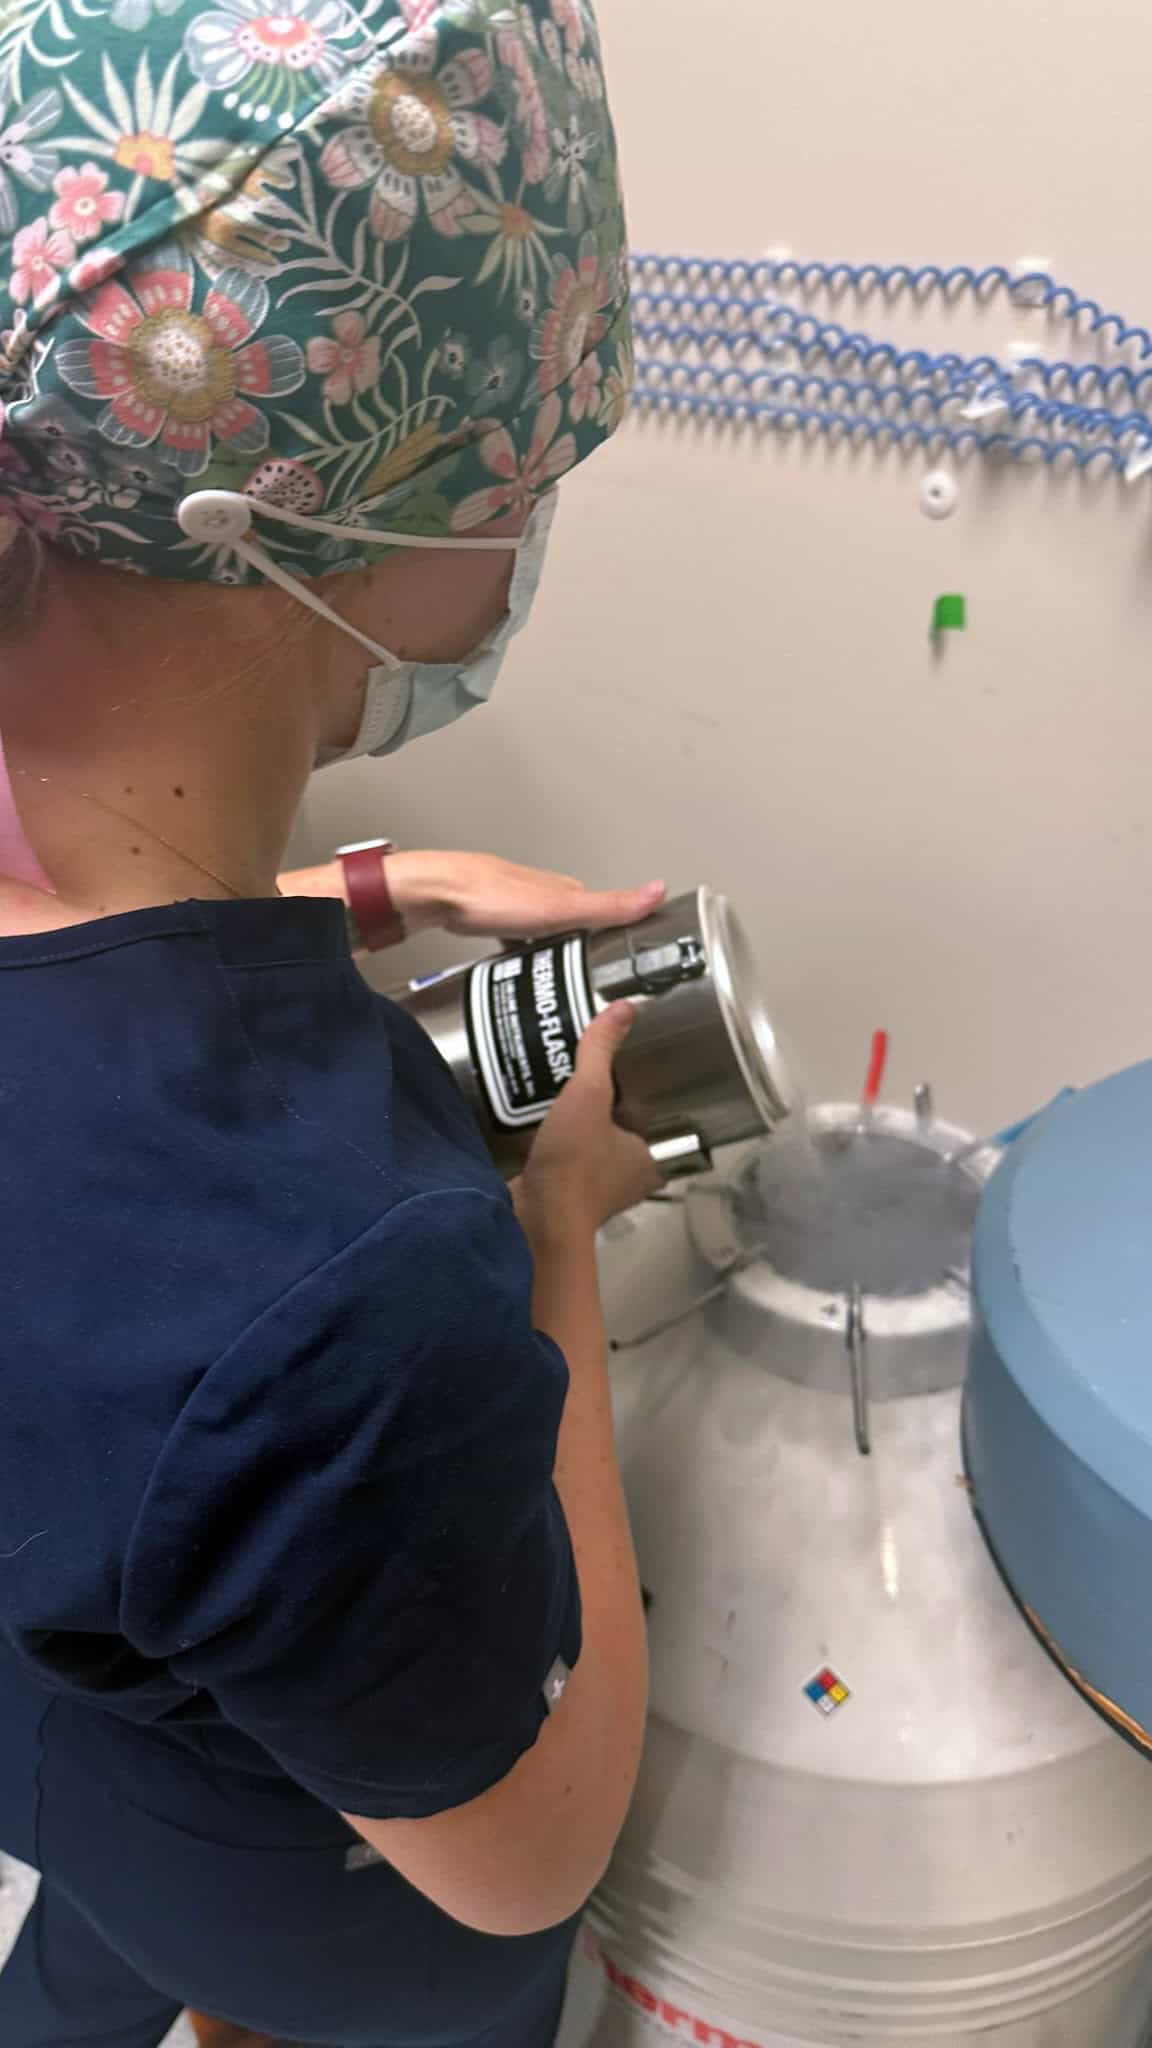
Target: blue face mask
{"x":403,"y":700}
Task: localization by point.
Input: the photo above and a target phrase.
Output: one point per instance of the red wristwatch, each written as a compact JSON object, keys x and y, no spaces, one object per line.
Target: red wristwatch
{"x":373,"y":919}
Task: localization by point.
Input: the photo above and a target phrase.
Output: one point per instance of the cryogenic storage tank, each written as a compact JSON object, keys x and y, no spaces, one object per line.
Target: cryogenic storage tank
{"x":1060,"y":1383}
{"x":870,"y":1808}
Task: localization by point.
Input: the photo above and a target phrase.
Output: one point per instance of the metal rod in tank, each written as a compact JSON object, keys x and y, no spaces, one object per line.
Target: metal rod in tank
{"x":924,"y":1105}
{"x":671,"y":1322}
{"x":681,"y":1315}
{"x":856,"y":1338}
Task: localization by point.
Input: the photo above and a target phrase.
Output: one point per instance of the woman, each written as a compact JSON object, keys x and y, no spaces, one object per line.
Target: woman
{"x":321,"y":1654}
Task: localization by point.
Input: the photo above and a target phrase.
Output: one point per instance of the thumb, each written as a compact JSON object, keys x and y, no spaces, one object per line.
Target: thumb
{"x":601,"y":1043}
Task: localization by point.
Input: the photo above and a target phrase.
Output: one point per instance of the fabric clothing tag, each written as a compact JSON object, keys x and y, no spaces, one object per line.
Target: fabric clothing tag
{"x":556,"y":1684}
{"x":362,"y":1856}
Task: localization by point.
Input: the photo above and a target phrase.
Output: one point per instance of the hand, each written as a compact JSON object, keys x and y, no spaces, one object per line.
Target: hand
{"x":583,"y":1166}
{"x":479,"y":896}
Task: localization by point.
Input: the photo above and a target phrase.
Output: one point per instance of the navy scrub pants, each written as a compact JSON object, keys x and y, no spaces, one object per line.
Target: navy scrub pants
{"x":165,"y":1883}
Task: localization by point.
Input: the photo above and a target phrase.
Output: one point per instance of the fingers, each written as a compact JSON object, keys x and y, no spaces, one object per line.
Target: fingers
{"x":601,"y":1043}
{"x":599,"y":909}
{"x":482,"y":895}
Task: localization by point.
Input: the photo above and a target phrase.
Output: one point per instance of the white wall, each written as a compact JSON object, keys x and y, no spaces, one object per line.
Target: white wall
{"x":729,"y":676}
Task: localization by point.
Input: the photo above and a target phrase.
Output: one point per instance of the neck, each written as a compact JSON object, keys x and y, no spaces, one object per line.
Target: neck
{"x":143,"y":776}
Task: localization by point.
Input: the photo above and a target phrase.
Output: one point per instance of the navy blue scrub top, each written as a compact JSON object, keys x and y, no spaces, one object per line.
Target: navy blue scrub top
{"x":276,"y":1430}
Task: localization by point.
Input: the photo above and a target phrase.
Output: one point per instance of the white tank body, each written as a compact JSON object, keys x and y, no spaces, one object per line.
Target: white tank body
{"x":955,"y":1851}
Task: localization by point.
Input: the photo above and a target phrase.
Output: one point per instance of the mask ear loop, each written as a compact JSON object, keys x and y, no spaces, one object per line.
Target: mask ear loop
{"x":397,"y":700}
{"x":224,"y":519}
{"x":257,"y":559}
{"x":373,"y":535}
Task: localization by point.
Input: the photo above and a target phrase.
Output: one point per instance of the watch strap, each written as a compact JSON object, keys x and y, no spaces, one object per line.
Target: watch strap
{"x":375,"y":920}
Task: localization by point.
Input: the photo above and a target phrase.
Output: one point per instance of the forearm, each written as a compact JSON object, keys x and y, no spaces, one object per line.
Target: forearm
{"x":526,"y":1854}
{"x":478,"y":895}
{"x":566,"y":1305}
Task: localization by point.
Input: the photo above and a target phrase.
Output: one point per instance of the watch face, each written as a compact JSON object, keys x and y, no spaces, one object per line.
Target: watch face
{"x":364,"y":846}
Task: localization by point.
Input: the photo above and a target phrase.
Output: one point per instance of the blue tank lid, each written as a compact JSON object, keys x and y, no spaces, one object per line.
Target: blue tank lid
{"x":1058,"y":1408}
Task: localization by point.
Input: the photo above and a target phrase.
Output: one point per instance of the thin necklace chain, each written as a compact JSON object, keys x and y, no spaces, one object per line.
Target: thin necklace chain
{"x":138,"y":825}
{"x":209,"y":694}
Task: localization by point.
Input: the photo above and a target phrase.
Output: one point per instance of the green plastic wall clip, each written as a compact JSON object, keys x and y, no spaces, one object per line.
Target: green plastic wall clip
{"x":949,"y":614}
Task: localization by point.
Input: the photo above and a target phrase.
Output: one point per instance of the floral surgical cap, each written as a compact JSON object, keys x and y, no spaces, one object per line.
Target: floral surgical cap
{"x":359,"y":261}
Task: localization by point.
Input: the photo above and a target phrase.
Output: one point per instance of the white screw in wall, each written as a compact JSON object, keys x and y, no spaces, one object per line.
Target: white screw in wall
{"x":939,"y":494}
